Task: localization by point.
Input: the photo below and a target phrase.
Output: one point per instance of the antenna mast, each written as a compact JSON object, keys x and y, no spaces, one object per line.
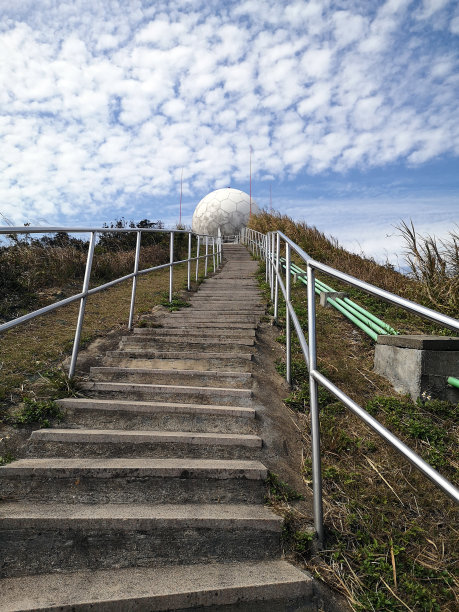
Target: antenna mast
{"x":181,"y":184}
{"x":250,"y":181}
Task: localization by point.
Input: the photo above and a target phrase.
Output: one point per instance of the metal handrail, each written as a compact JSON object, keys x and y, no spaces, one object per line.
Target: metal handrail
{"x":215,"y":255}
{"x":268,"y":248}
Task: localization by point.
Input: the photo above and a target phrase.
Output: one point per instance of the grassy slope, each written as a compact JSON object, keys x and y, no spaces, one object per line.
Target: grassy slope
{"x":30,"y":350}
{"x":391,"y":537}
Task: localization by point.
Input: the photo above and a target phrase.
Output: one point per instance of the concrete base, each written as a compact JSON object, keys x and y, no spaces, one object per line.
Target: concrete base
{"x":419,"y":365}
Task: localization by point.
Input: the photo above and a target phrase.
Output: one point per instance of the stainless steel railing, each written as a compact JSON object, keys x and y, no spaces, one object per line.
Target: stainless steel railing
{"x":213,"y":249}
{"x":268,"y":247}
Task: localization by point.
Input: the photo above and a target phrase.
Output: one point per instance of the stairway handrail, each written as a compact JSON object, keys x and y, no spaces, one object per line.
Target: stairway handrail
{"x":268,"y":247}
{"x":215,"y":242}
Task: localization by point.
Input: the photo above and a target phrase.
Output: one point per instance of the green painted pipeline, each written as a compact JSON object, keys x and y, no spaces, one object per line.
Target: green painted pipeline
{"x":365,"y":320}
{"x":360,"y":313}
{"x":454,"y":382}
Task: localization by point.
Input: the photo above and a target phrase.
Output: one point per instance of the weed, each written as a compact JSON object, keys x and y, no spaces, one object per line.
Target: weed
{"x":176,"y":304}
{"x":280,"y":490}
{"x":60,"y":384}
{"x":35,"y":412}
{"x":5,"y":459}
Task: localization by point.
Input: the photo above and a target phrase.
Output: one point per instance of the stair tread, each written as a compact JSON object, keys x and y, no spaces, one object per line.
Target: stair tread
{"x":159,"y":588}
{"x":170,"y":467}
{"x":174,"y":372}
{"x":136,"y":436}
{"x":139,"y":406}
{"x":199,"y":515}
{"x":177,"y":388}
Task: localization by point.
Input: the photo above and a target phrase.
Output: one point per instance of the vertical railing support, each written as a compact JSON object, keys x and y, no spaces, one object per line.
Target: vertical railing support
{"x":197,"y":258}
{"x":171,"y":268}
{"x":276,"y":289}
{"x":288,"y":330}
{"x":87,"y":276}
{"x":207,"y":254}
{"x":188,"y":282}
{"x":134,"y":280}
{"x":213,"y":252}
{"x":314,"y":408}
{"x":266,"y":243}
{"x":273,"y":238}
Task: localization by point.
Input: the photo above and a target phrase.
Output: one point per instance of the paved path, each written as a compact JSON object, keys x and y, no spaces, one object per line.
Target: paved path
{"x":152,"y":496}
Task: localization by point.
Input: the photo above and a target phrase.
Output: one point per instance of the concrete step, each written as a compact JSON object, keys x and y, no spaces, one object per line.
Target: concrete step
{"x":254,"y":586}
{"x":200,"y":345}
{"x":187,"y":331}
{"x":89,"y":413}
{"x":210,"y":295}
{"x":224,"y":364}
{"x":175,"y":323}
{"x":121,"y":443}
{"x":174,"y":393}
{"x":230,"y":298}
{"x":38,"y":538}
{"x":228,"y":319}
{"x":226,"y":307}
{"x":245,"y":587}
{"x":235,"y":358}
{"x":228,"y":342}
{"x":201,"y":378}
{"x":133,"y":481}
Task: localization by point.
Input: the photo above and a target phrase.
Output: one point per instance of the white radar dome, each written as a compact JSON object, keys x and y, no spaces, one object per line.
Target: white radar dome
{"x":227,"y":209}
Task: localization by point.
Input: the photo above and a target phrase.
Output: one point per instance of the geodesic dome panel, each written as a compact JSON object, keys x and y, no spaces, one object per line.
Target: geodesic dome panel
{"x":227,"y":209}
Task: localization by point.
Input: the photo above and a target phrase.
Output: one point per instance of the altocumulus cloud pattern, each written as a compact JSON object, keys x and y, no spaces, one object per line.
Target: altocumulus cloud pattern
{"x":103,"y":102}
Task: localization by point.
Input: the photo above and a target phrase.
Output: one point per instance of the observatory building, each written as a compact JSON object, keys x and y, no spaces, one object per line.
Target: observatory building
{"x":227,"y":209}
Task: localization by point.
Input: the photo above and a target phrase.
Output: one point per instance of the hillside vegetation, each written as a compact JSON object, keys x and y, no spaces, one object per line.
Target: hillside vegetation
{"x":35,"y":272}
{"x":434,"y":264}
{"x":391,"y":537}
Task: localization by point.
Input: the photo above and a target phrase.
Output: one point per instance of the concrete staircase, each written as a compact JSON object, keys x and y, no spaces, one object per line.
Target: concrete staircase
{"x":152,"y":496}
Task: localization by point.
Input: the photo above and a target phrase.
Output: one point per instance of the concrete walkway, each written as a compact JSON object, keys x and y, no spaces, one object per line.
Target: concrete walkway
{"x":152,"y":496}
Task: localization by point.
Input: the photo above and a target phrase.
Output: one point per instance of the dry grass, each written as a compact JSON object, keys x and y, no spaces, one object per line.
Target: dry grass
{"x":391,"y":535}
{"x":435,"y":264}
{"x":31,"y":349}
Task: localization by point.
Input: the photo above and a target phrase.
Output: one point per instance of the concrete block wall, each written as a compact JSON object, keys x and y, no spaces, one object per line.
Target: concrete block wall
{"x":419,"y":365}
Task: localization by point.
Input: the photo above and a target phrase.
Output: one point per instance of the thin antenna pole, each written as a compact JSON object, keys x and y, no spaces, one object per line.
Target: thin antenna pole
{"x":250,"y":182}
{"x":181,"y":184}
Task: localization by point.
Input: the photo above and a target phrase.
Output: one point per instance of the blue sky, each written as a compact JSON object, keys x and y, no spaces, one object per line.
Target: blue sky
{"x":350,"y":108}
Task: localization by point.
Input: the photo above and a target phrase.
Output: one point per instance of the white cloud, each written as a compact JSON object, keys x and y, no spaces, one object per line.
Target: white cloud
{"x":100,"y":104}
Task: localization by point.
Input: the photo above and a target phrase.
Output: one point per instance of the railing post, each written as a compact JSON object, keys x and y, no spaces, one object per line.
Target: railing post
{"x":272,"y":265}
{"x":171,"y":267}
{"x":288,"y":331}
{"x":314,"y":407}
{"x":213,"y":252}
{"x":266,"y":243}
{"x":188,"y":283}
{"x":207,"y":253}
{"x":197,"y":259}
{"x":276,"y":292}
{"x":87,"y":276}
{"x":134,"y":280}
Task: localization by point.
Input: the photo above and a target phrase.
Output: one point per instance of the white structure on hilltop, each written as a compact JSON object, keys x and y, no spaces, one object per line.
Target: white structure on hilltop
{"x":227,"y":209}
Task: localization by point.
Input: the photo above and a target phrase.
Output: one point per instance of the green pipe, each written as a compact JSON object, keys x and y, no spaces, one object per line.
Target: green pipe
{"x":347,"y":312}
{"x":362,"y":314}
{"x":380,"y":326}
{"x":454,"y":382}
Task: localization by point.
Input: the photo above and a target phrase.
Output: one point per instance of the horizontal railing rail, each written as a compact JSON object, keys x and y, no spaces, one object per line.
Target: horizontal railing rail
{"x":212,"y":250}
{"x":268,"y":247}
